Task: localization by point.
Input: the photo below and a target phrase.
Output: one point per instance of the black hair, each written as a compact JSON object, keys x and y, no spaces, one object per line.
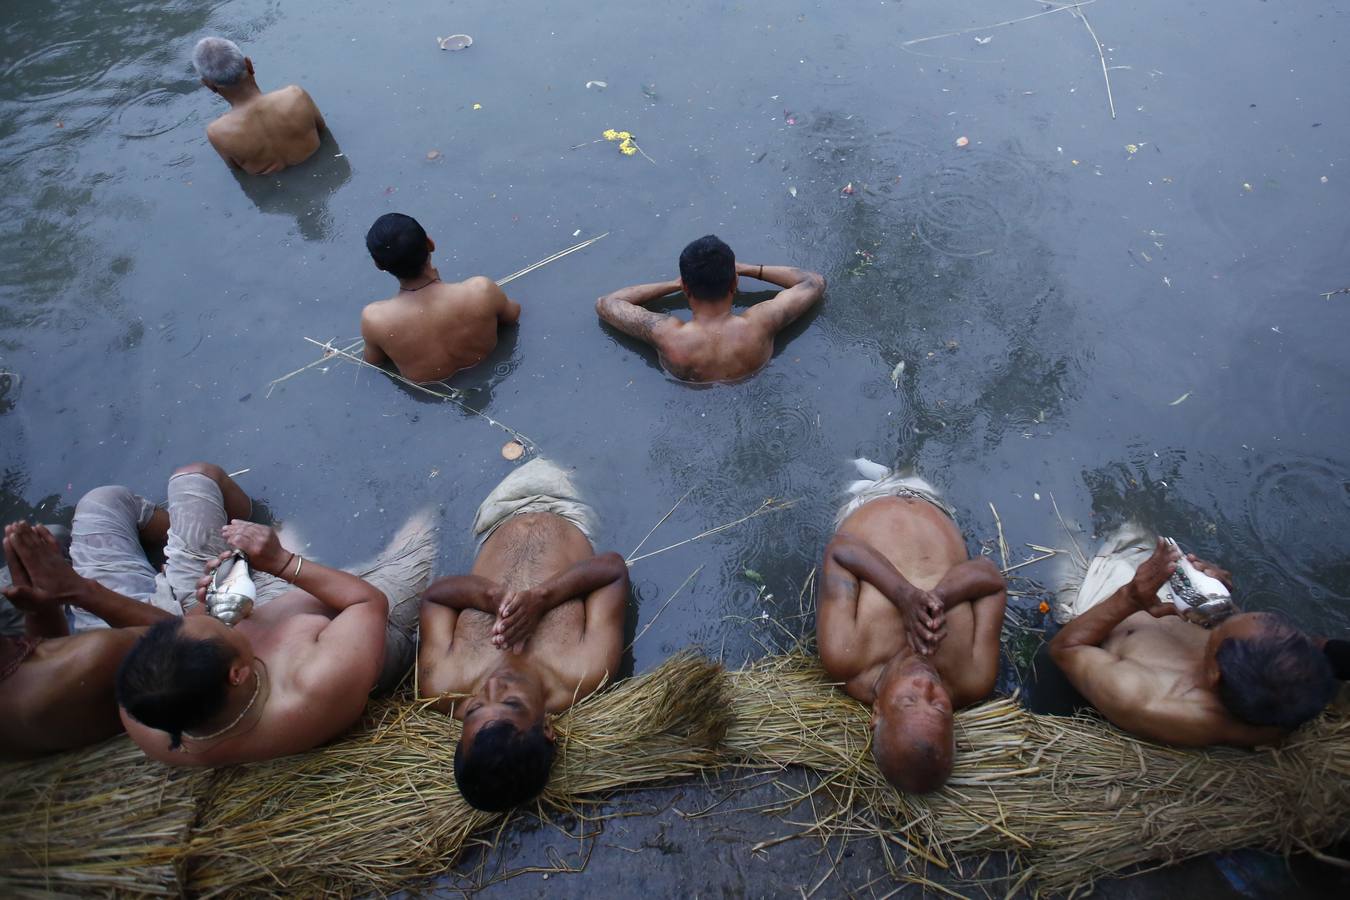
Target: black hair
{"x":174,"y":683}
{"x":398,"y":245}
{"x":708,"y":268}
{"x":504,"y":767}
{"x":1277,"y":678}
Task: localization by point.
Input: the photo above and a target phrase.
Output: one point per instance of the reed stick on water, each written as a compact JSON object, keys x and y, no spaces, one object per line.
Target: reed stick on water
{"x":1106,"y":76}
{"x":768,"y":506}
{"x":356,"y":345}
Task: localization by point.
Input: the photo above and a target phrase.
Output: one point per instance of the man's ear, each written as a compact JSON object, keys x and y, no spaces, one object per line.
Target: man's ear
{"x":873,"y":719}
{"x":211,"y":87}
{"x":431,"y":245}
{"x":248,"y":64}
{"x":238,"y":672}
{"x":548,"y":728}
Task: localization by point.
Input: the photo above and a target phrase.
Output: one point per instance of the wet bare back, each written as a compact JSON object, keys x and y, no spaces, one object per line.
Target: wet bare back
{"x":923,"y":544}
{"x":268,"y":134}
{"x":523,"y":553}
{"x":437,"y":331}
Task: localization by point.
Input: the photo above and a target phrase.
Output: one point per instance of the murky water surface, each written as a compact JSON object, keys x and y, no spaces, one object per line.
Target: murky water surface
{"x":1054,"y":289}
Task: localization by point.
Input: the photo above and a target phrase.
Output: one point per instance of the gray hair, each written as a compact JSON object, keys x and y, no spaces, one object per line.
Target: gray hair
{"x":219,"y":61}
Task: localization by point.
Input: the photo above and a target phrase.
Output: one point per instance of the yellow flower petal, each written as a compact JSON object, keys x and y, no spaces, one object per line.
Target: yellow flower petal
{"x":625,"y":135}
{"x":627,"y":149}
{"x":478,"y":106}
{"x":611,"y":134}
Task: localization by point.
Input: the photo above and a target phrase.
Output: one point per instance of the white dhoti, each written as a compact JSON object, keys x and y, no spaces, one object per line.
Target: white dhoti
{"x":537,"y":486}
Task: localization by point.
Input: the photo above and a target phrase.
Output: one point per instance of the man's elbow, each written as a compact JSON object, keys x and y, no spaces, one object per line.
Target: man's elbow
{"x":817,"y":283}
{"x":615,"y":565}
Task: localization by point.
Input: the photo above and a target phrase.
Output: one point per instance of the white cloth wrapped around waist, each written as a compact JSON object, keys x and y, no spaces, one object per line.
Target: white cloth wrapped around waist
{"x":878,"y":481}
{"x":538,"y":486}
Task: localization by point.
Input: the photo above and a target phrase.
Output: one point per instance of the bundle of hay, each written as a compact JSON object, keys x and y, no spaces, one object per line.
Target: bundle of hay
{"x":105,"y":818}
{"x":1070,"y":799}
{"x":372,"y":812}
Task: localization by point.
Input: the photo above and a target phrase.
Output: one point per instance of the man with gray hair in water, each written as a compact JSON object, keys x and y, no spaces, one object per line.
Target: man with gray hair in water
{"x":262,"y":133}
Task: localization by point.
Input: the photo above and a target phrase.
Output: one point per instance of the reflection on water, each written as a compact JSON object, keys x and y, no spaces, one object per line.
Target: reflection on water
{"x":1282,"y":544}
{"x":302,"y":192}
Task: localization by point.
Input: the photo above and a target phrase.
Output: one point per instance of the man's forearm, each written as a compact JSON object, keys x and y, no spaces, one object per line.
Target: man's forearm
{"x":117,"y":610}
{"x":49,"y":622}
{"x":334,"y":588}
{"x":461,"y":592}
{"x":866,"y":564}
{"x":783,"y":276}
{"x":1093,"y":626}
{"x":968,"y":581}
{"x":583,"y":579}
{"x":640,"y":294}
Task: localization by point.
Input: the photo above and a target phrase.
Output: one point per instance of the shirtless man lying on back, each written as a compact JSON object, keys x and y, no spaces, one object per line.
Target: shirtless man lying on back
{"x":717,"y":344}
{"x":262,"y":133}
{"x":430,"y":329}
{"x":536,"y":625}
{"x":1245,"y":682}
{"x":908,"y":622}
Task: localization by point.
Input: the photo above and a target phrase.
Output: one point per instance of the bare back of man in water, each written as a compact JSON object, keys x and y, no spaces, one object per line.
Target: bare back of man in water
{"x":717,"y":344}
{"x":262,"y":133}
{"x":430,"y":329}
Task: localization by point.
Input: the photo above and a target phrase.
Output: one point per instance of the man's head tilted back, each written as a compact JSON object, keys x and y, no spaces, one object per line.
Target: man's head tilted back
{"x":219,"y":63}
{"x":708,"y":269}
{"x":912,"y":739}
{"x":1268,"y":672}
{"x":504,"y":766}
{"x":399,"y":245}
{"x":178,"y":675}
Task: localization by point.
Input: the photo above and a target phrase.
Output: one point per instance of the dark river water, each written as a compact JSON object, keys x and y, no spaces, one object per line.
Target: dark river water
{"x":1053,"y":289}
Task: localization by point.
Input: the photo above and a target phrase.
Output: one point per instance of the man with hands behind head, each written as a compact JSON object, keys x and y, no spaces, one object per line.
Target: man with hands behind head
{"x":536,"y":625}
{"x":717,"y":344}
{"x":908,"y":622}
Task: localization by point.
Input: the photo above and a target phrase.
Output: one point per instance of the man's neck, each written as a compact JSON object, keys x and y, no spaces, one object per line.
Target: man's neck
{"x":241,"y":94}
{"x":428,"y":275}
{"x":711,"y":310}
{"x":238,"y":698}
{"x":515,"y":663}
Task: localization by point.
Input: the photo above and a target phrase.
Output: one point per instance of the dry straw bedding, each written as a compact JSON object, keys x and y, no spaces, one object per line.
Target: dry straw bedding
{"x":1068,"y":799}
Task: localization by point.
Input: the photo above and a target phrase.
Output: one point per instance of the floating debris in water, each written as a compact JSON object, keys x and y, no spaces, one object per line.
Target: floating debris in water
{"x":454,"y":42}
{"x":792,"y":190}
{"x":963,"y":141}
{"x":597,"y":84}
{"x":754,"y":576}
{"x":847,"y":189}
{"x":1180,"y":400}
{"x":984,"y":40}
{"x":513,"y":450}
{"x":433,"y":154}
{"x":897,"y":373}
{"x":478,"y":106}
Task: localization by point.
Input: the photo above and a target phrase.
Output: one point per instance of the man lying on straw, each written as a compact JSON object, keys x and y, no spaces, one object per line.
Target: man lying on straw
{"x":716,"y":344}
{"x":1245,"y":682}
{"x":430,"y":329}
{"x":535,"y":627}
{"x":293,"y":674}
{"x":57,"y":679}
{"x":908,"y":621}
